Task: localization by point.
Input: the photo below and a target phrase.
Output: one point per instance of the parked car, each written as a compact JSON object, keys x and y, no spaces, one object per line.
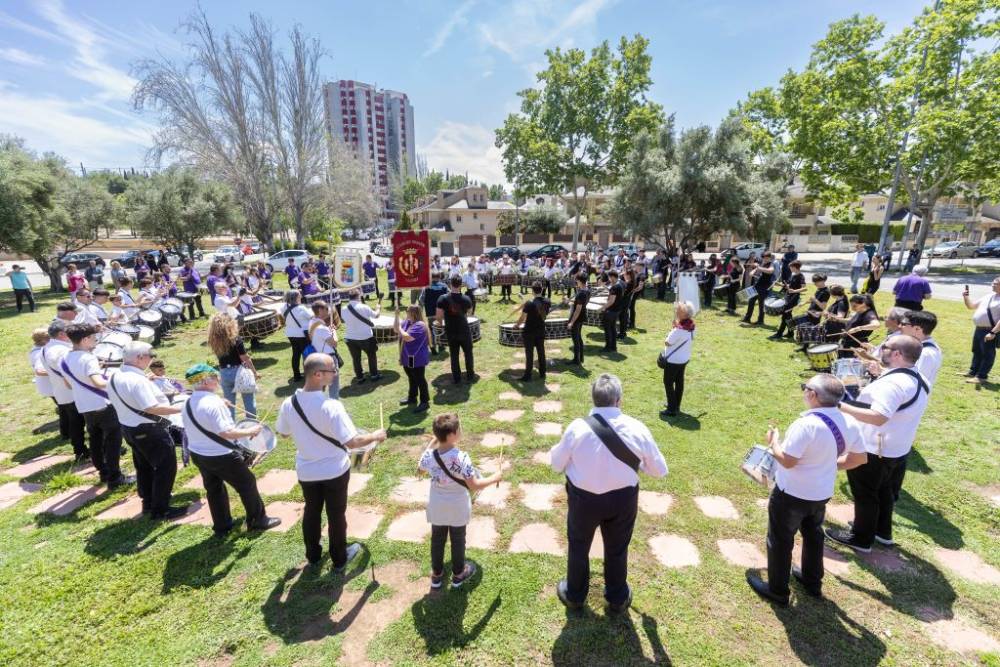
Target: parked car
{"x":279,"y":260}
{"x":953,"y":249}
{"x":227,"y":253}
{"x":989,"y":249}
{"x":631,"y":250}
{"x":81,"y":259}
{"x":497,"y":253}
{"x":383,"y":250}
{"x":177,"y":257}
{"x":127,"y":258}
{"x":548,"y":250}
{"x":744,"y":250}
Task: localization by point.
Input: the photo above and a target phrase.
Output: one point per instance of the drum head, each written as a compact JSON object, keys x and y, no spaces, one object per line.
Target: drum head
{"x":473,"y":321}
{"x":170,"y":310}
{"x":384,"y":322}
{"x":108,"y":353}
{"x":774,"y":302}
{"x":825,"y":348}
{"x":117,"y":338}
{"x":146,"y":333}
{"x":176,"y":302}
{"x":129,"y":330}
{"x":151,"y":317}
{"x":261,"y":443}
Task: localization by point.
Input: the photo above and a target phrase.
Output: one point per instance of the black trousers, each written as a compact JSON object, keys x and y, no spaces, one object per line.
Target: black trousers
{"x":631,"y":309}
{"x":74,"y":423}
{"x":610,"y":320}
{"x":105,"y":443}
{"x":984,"y":353}
{"x":461,"y":345}
{"x":417,"y":377}
{"x":673,"y":384}
{"x":471,"y":293}
{"x":155,"y":464}
{"x":196,"y":301}
{"x":368,"y":346}
{"x":757,"y":301}
{"x":20,"y":295}
{"x":731,"y":297}
{"x":909,"y":305}
{"x":787,"y":515}
{"x":708,"y":288}
{"x":614,"y":513}
{"x":661,"y":288}
{"x":576,"y":333}
{"x":623,"y":319}
{"x":439,"y":535}
{"x":298,"y":347}
{"x":505,"y":292}
{"x":547,"y":288}
{"x":216,"y":472}
{"x":534,"y":341}
{"x":330,"y":494}
{"x":874,"y":486}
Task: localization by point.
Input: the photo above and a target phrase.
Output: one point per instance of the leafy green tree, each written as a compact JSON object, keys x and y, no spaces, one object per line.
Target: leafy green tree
{"x":497,"y":192}
{"x":543,"y":220}
{"x":433,"y":182}
{"x":576,"y":129}
{"x":412,"y":191}
{"x":457,"y":182}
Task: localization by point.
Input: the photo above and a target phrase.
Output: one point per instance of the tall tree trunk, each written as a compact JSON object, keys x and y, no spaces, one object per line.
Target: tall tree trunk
{"x":51,"y":270}
{"x":576,"y":205}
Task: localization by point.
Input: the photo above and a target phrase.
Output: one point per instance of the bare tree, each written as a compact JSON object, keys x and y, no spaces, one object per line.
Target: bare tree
{"x":351,"y":193}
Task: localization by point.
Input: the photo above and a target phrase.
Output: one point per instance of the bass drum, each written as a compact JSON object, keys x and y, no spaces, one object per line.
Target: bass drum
{"x":475,"y":330}
{"x":385,"y":329}
{"x":511,"y":335}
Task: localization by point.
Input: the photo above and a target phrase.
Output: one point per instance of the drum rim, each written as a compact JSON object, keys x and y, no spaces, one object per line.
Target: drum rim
{"x":828,"y":347}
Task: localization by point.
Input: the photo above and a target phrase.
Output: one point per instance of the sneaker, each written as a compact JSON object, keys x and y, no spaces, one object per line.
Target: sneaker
{"x":436,"y":580}
{"x":619,"y":608}
{"x":376,"y":377}
{"x":458,"y":579}
{"x":360,"y":379}
{"x":563,"y":595}
{"x":847,"y":539}
{"x":965,"y":374}
{"x":123,"y":480}
{"x":407,"y":401}
{"x":974,"y":380}
{"x":352,"y":552}
{"x":524,"y":378}
{"x":885,"y":541}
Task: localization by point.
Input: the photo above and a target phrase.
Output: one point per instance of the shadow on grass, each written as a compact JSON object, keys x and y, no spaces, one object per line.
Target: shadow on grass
{"x":348,"y":389}
{"x":915,"y":462}
{"x":299,"y":606}
{"x":440,"y":618}
{"x":37,"y":449}
{"x":126,"y":538}
{"x":403,"y":421}
{"x":591,"y":639}
{"x":203,"y":564}
{"x":683,"y":421}
{"x":446,"y":392}
{"x":929,"y":521}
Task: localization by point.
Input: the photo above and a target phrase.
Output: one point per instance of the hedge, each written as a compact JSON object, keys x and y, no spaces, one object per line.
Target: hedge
{"x":866,"y":232}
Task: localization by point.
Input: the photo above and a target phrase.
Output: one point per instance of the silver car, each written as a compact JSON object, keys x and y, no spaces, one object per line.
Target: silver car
{"x":953,"y":249}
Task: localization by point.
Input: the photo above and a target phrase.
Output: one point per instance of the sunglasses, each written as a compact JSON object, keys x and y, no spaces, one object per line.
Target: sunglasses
{"x":805,"y":386}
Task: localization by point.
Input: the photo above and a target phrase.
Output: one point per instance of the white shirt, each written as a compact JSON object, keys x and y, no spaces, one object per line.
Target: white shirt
{"x":482,"y":267}
{"x":151,"y":295}
{"x":886,"y":394}
{"x":118,"y":315}
{"x":42,"y":383}
{"x":930,"y":360}
{"x":52,"y":355}
{"x":454,"y":270}
{"x":246,"y":298}
{"x":877,"y":352}
{"x":591,"y":466}
{"x":213,"y":415}
{"x":355,"y":329}
{"x":315,"y":458}
{"x":221,"y":303}
{"x":128,"y":304}
{"x":323,"y":337}
{"x":83,"y":365}
{"x":470,"y":280}
{"x":860,"y":259}
{"x":980,"y":317}
{"x":297,"y":321}
{"x":810,"y":440}
{"x":136,"y":391}
{"x":506,"y":269}
{"x":679,"y":342}
{"x":90,"y":314}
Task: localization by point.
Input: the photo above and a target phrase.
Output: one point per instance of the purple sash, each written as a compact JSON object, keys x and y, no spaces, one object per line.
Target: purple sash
{"x":837,"y":435}
{"x":100,"y":392}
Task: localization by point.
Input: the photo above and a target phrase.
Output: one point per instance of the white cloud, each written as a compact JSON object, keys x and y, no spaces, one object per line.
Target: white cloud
{"x":444,"y":32}
{"x":19,"y":57}
{"x":461,"y":148}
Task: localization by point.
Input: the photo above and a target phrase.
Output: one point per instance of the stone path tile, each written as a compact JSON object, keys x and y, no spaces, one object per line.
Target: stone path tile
{"x":494,"y":439}
{"x":277,"y":482}
{"x":968,"y":565}
{"x":552,"y":351}
{"x":536,"y":538}
{"x":652,"y":502}
{"x":539,"y":497}
{"x":362,"y":522}
{"x":717,"y":507}
{"x":128,"y":508}
{"x":519,"y":354}
{"x":289,"y":512}
{"x":494,"y":496}
{"x":507,"y":415}
{"x":68,"y":501}
{"x":889,"y":560}
{"x":547,"y":406}
{"x":37,"y":464}
{"x":198,"y":514}
{"x":490,"y":464}
{"x":548,"y":429}
{"x":481,"y":533}
{"x":840,"y":512}
{"x":195,"y":483}
{"x":553,"y":387}
{"x":544,"y":457}
{"x":510,"y":396}
{"x":761,"y":503}
{"x":358,"y":481}
{"x":86,"y":470}
{"x":956,"y":634}
{"x":517,"y":367}
{"x":991,"y":493}
{"x":412,"y":491}
{"x":409,"y":527}
{"x":11,"y":492}
{"x":834,"y":562}
{"x":741,"y":553}
{"x":674,"y":551}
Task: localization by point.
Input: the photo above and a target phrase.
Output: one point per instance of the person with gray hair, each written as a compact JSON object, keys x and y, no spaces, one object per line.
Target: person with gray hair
{"x":816,"y":445}
{"x":601,"y":455}
{"x":913,"y":289}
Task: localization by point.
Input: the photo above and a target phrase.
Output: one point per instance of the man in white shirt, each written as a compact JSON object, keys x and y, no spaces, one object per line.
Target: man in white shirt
{"x":223,"y":302}
{"x":603,"y":490}
{"x":71,"y":425}
{"x":892,"y":320}
{"x":67,"y":311}
{"x":86,"y":378}
{"x":323,"y":338}
{"x":359,"y":321}
{"x":986,"y":336}
{"x":859,"y":262}
{"x":921,"y":324}
{"x":470,"y":281}
{"x":142,"y":409}
{"x":323,"y":434}
{"x":89,"y":312}
{"x":127,"y":302}
{"x":507,"y":268}
{"x":816,"y":445}
{"x":889,"y":409}
{"x":209,"y":428}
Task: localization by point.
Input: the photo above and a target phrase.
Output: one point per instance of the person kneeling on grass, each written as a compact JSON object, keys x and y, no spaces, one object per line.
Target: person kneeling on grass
{"x":453,"y":478}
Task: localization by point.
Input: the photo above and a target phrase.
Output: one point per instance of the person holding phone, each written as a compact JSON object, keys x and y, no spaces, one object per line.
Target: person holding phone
{"x":986,"y":335}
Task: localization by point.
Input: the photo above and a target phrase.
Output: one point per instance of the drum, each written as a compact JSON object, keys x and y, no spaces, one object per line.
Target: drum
{"x":276,"y":293}
{"x":146,"y":334}
{"x":506,"y":279}
{"x":368,"y":287}
{"x":178,"y":401}
{"x":851,"y":372}
{"x":657,"y":278}
{"x":593,"y":316}
{"x":329,"y":296}
{"x":129,"y":330}
{"x":171,"y":311}
{"x":360,"y":456}
{"x":175,"y":302}
{"x":744,"y":295}
{"x":481,"y":295}
{"x":259,"y":324}
{"x":260,"y":445}
{"x":821,"y":357}
{"x":118,"y":338}
{"x":511,"y":335}
{"x":774,"y":305}
{"x":108,"y":354}
{"x":810,"y":333}
{"x":474,"y":330}
{"x":759,"y":465}
{"x":385,"y":330}
{"x":721,"y":288}
{"x":556,"y":327}
{"x":186,"y":297}
{"x":151,"y":318}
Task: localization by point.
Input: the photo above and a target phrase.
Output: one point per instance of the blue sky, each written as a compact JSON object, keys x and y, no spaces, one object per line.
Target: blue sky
{"x":65,"y":66}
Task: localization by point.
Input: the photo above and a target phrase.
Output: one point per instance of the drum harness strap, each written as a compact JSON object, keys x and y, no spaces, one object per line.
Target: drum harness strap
{"x":444,"y":468}
{"x":838,"y":437}
{"x":364,"y":320}
{"x":602,"y":429}
{"x":90,"y":387}
{"x":906,"y":371}
{"x":156,"y":419}
{"x":302,"y":415}
{"x":290,"y":310}
{"x":214,"y":437}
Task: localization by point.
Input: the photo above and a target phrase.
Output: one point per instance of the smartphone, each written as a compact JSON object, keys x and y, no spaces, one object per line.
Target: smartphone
{"x":966,"y":288}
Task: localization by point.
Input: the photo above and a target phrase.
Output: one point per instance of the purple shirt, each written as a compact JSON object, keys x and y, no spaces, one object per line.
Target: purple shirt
{"x":191,"y":279}
{"x":369,"y":268}
{"x":415,"y":352}
{"x":292,"y":272}
{"x":322,"y":269}
{"x":912,"y":288}
{"x":141,"y":270}
{"x":210,"y":284}
{"x":307,"y":288}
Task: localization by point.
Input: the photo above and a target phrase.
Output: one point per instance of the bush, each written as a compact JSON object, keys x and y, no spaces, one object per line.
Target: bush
{"x":866,"y":232}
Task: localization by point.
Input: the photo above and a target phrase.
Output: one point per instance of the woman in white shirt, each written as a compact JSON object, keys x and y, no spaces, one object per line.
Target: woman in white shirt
{"x":677,"y":350}
{"x":297,"y":318}
{"x":224,"y":303}
{"x":986,"y":336}
{"x":323,"y":338}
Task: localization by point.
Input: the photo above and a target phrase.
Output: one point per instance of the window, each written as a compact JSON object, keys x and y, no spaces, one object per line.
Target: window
{"x":482,"y":227}
{"x":475,"y":216}
{"x":458,"y":218}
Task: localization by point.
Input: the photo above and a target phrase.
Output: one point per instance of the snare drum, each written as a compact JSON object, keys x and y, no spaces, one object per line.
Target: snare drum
{"x":511,"y":335}
{"x":481,"y":295}
{"x":441,"y":336}
{"x":810,"y":333}
{"x":759,"y":465}
{"x":129,"y":330}
{"x":259,"y":324}
{"x":506,"y":279}
{"x":146,"y":334}
{"x":721,"y":288}
{"x":171,"y":312}
{"x":368,"y":287}
{"x":385,"y":329}
{"x":108,"y":354}
{"x":593,"y":315}
{"x":744,"y":295}
{"x":822,"y":357}
{"x":260,"y":445}
{"x":851,"y":372}
{"x":117,"y":338}
{"x":556,"y":327}
{"x":774,"y":305}
{"x":151,"y":318}
{"x":186,"y":297}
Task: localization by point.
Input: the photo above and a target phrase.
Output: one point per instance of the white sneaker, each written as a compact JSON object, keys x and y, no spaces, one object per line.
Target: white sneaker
{"x":352,"y":552}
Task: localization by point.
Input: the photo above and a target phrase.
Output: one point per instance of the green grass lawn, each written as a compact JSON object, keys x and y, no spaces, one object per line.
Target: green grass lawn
{"x":77,"y":591}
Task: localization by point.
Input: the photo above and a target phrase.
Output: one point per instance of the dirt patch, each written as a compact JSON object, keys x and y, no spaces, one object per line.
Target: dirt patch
{"x":991,"y":493}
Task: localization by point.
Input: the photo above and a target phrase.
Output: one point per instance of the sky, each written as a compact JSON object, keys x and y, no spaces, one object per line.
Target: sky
{"x":66,"y":66}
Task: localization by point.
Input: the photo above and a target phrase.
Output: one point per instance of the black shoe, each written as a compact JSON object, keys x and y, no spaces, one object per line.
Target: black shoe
{"x":376,"y":377}
{"x":172,"y":512}
{"x":525,"y":378}
{"x":563,"y":595}
{"x":573,"y":362}
{"x":619,"y":608}
{"x":774,"y":337}
{"x":668,"y":413}
{"x":814,"y":592}
{"x":267,"y":523}
{"x":846,"y":538}
{"x":423,"y":407}
{"x":222,"y":532}
{"x":471,"y":377}
{"x":359,"y":380}
{"x":763,"y":589}
{"x":123,"y":480}
{"x":408,"y":401}
{"x":352,"y":552}
{"x":456,"y":380}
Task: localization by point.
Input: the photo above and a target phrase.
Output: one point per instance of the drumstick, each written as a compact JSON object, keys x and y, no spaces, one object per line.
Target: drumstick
{"x":381,"y":416}
{"x":500,"y":464}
